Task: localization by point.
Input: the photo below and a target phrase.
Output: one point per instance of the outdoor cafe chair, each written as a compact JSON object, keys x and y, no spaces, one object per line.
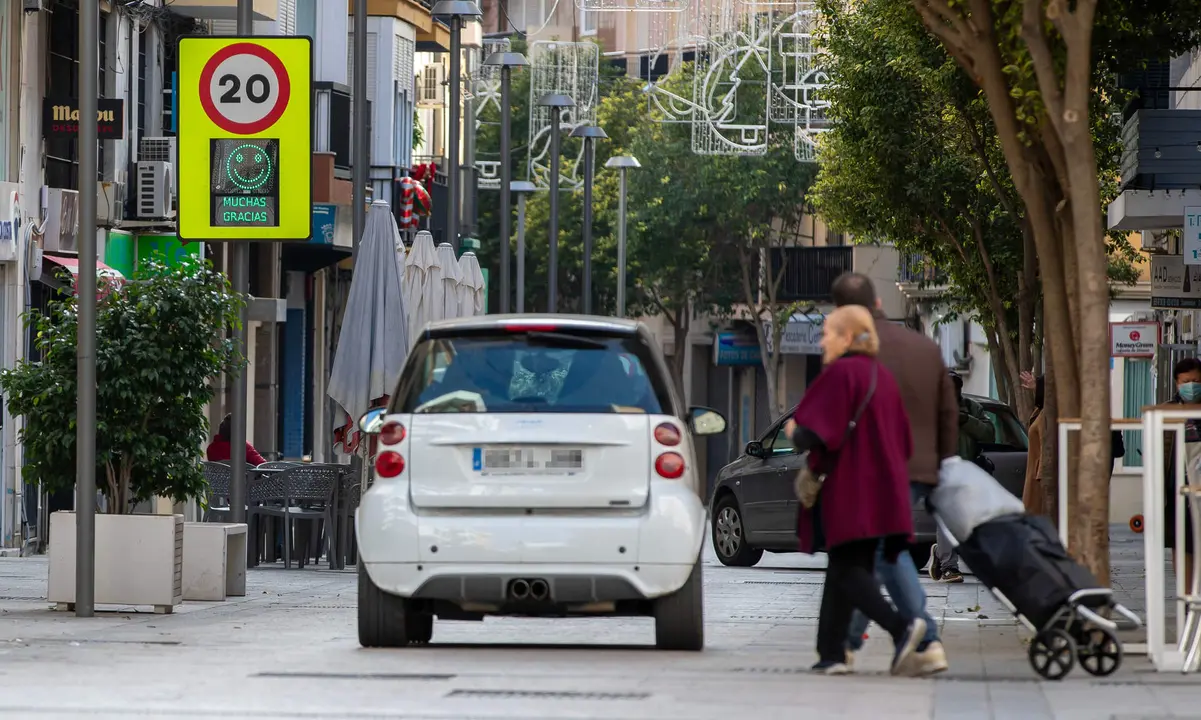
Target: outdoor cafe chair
{"x":307,"y":493}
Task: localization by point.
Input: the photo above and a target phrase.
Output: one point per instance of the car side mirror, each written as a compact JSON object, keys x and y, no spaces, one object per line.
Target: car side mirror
{"x":706,"y":421}
{"x":754,"y":448}
{"x":372,"y":421}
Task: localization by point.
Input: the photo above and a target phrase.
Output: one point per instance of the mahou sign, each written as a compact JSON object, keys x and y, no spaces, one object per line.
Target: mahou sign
{"x":60,"y":118}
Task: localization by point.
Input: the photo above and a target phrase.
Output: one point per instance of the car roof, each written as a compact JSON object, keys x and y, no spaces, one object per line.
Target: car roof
{"x":567,"y":322}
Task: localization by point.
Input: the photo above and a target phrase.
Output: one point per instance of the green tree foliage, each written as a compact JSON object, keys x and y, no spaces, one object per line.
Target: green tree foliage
{"x":161,"y":339}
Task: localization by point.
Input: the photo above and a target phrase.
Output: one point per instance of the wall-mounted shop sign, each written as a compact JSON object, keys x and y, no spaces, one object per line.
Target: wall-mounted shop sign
{"x":60,"y":118}
{"x":735,"y":349}
{"x":1134,"y":339}
{"x":1174,"y":285}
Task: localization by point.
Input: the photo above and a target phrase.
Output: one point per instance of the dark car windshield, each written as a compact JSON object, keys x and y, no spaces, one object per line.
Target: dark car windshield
{"x":527,"y":372}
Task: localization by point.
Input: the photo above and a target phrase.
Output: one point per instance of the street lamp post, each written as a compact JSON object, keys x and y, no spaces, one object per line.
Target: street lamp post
{"x":85,"y":354}
{"x":523,"y":188}
{"x":556,"y":103}
{"x":457,"y":11}
{"x":589,"y":134}
{"x":622,"y":163}
{"x":506,"y":61}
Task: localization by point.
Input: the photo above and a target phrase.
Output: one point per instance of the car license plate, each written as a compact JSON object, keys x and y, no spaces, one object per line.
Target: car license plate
{"x":527,"y":460}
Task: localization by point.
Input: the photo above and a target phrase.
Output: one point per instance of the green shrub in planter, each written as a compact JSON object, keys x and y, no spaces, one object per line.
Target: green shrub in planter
{"x":162,"y":339}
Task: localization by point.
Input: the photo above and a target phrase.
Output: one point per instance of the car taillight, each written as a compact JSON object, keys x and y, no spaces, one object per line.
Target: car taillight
{"x":392,"y":434}
{"x":522,"y":327}
{"x":670,"y":465}
{"x":389,"y":464}
{"x":667,"y":434}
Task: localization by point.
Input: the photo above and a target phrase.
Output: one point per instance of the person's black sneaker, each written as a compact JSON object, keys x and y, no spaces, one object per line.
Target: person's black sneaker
{"x":951,"y":577}
{"x":907,"y":646}
{"x":831,"y":667}
{"x":935,"y":569}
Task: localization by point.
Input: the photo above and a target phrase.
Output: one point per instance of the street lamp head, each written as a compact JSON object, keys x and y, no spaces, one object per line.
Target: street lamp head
{"x":461,"y":8}
{"x":623,"y":162}
{"x":590,"y":132}
{"x":506,"y":59}
{"x":522,"y":186}
{"x":555,"y":100}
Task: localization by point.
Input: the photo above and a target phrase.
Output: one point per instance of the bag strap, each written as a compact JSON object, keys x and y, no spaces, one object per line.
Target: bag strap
{"x":867,"y":398}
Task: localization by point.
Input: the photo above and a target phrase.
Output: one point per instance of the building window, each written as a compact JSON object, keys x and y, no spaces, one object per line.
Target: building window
{"x":587,"y":22}
{"x":62,"y":82}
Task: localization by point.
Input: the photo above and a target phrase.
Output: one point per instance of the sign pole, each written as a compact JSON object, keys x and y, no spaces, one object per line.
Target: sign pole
{"x":240,"y":277}
{"x":85,"y":427}
{"x":358,"y":135}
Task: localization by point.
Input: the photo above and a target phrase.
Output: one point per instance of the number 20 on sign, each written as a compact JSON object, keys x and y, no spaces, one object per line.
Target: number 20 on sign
{"x":245,"y":138}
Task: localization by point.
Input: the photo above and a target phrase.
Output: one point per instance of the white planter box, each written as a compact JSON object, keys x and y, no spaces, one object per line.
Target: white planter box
{"x":214,"y":561}
{"x":139,"y":560}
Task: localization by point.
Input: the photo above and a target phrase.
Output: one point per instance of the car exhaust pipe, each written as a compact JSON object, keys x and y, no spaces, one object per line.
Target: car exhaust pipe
{"x":539,"y":590}
{"x":519,"y":590}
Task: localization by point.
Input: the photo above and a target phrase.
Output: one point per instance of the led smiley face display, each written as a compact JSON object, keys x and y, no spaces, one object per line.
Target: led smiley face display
{"x":245,"y":177}
{"x":249,"y":167}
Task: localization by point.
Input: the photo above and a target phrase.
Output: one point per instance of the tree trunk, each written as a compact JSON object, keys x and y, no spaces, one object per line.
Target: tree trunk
{"x":1050,"y":448}
{"x":679,"y":330}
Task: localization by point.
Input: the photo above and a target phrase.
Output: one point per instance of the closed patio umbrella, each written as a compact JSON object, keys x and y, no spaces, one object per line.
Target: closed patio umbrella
{"x":471,"y":286}
{"x":444,"y":285}
{"x":419,"y":264}
{"x":374,"y":340}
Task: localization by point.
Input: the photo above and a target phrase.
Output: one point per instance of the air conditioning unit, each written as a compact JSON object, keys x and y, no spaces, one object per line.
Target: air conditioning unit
{"x":430,"y":89}
{"x":61,"y":231}
{"x":156,"y":190}
{"x":110,"y":203}
{"x":158,"y":149}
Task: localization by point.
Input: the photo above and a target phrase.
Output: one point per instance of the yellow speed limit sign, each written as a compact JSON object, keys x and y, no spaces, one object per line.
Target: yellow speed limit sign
{"x":245,"y":138}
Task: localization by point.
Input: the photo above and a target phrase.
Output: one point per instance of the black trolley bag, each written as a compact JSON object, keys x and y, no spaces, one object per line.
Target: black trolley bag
{"x":1021,"y":557}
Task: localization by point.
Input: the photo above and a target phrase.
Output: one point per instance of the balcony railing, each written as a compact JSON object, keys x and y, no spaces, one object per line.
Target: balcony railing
{"x":915,"y":269}
{"x":809,"y":272}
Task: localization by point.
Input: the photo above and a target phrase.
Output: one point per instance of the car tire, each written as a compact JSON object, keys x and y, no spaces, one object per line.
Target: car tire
{"x":921,"y":554}
{"x":384,"y":619}
{"x":729,"y":538}
{"x":680,"y":616}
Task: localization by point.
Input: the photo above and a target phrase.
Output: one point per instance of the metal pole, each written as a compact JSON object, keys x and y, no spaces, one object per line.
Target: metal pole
{"x":552,"y":285}
{"x":453,"y":184}
{"x":506,"y":176}
{"x":85,"y":427}
{"x":521,"y":253}
{"x":240,"y":277}
{"x":621,"y":246}
{"x":360,"y":161}
{"x":587,"y":226}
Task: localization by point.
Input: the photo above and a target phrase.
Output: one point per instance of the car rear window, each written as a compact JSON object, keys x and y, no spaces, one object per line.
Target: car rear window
{"x":528,"y":372}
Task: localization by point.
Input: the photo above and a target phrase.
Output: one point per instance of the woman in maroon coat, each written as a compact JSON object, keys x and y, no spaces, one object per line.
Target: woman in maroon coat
{"x":853,"y":423}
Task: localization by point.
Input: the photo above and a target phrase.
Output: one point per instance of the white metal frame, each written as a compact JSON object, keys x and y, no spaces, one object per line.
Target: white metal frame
{"x":1182,"y":654}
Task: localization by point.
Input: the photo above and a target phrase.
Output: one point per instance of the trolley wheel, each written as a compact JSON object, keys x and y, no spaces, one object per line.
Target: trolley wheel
{"x":1053,"y":653}
{"x":1136,"y":524}
{"x":1101,"y":652}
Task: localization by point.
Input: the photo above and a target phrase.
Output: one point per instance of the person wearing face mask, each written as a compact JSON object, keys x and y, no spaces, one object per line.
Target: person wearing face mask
{"x":1187,"y":375}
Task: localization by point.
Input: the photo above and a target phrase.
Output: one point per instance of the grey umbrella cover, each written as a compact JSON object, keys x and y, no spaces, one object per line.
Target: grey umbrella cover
{"x":374,"y":340}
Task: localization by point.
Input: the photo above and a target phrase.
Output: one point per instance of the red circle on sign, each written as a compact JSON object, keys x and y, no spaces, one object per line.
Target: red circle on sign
{"x":1134,"y":336}
{"x":206,"y":84}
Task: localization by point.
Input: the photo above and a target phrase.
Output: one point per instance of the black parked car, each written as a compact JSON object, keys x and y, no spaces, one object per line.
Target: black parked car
{"x":754,"y":507}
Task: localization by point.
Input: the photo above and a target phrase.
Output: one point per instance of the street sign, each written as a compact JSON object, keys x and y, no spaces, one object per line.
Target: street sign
{"x":246,"y":126}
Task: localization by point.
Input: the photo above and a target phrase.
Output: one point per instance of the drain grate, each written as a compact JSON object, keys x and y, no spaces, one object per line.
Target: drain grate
{"x":84,"y":641}
{"x":775,"y":582}
{"x":24,"y":598}
{"x":546,"y":695}
{"x":354,"y":676}
{"x":772,"y":670}
{"x":772,"y":617}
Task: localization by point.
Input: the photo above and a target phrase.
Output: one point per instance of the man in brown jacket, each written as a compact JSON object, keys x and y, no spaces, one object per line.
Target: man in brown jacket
{"x":916,"y":363}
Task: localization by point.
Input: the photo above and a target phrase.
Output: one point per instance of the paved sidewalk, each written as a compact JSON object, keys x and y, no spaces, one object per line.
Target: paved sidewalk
{"x":288,"y":650}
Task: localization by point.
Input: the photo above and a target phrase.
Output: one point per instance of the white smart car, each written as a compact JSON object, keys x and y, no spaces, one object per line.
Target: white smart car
{"x":535,"y":466}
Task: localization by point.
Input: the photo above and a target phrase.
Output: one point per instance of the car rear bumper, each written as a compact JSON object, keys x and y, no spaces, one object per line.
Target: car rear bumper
{"x":487,"y":585}
{"x":594,"y":555}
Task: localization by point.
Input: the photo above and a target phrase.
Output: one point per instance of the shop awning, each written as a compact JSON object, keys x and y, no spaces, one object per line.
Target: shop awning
{"x":107,"y":278}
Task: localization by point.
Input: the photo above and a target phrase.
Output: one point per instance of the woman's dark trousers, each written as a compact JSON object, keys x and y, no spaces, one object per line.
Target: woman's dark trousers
{"x":851,"y":583}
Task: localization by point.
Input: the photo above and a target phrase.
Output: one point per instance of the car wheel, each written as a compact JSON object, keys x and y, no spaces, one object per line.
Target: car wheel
{"x":680,"y":616}
{"x":921,"y":554}
{"x":384,"y":620}
{"x":729,"y":539}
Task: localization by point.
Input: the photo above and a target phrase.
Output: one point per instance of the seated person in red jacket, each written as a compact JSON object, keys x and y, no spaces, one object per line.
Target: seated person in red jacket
{"x":219,"y":450}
